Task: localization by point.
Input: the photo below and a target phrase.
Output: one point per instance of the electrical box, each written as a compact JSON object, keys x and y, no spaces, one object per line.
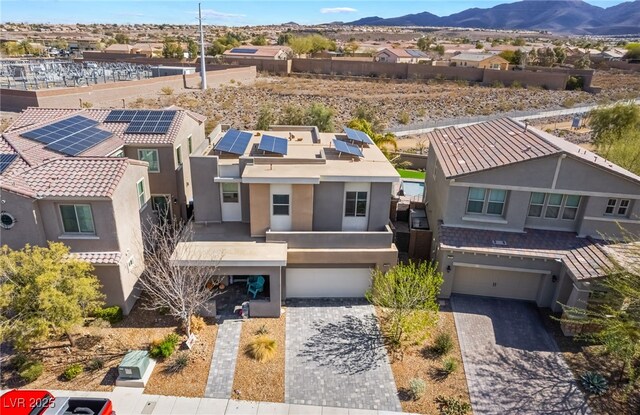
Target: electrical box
{"x":134,"y":365}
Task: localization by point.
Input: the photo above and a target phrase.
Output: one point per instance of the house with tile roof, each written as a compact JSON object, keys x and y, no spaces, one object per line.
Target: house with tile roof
{"x":519,"y":213}
{"x":396,"y":55}
{"x":273,"y":52}
{"x":480,"y":60}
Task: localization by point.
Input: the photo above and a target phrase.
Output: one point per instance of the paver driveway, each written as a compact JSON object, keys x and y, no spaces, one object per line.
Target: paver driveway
{"x":335,"y":356}
{"x":512,"y":364}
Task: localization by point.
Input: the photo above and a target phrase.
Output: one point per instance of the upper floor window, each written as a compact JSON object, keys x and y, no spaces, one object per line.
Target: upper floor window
{"x":281,"y":205}
{"x":486,"y":201}
{"x":119,"y":153}
{"x":356,"y":204}
{"x":190,"y":143}
{"x":179,"y":155}
{"x":553,"y":206}
{"x":150,"y":155}
{"x":77,"y":219}
{"x":618,"y":207}
{"x":230,"y":192}
{"x":141,"y":196}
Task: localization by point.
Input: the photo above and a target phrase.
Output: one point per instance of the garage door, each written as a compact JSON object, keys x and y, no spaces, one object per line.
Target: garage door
{"x":327,"y":282}
{"x":496,"y":283}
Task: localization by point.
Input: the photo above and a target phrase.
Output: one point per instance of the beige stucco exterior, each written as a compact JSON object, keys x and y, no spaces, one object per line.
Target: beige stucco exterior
{"x":302,"y":207}
{"x":259,"y":202}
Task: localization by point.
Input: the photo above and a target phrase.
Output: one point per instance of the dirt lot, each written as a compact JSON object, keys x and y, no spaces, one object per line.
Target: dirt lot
{"x":136,"y":331}
{"x":257,"y":381}
{"x":420,"y":362}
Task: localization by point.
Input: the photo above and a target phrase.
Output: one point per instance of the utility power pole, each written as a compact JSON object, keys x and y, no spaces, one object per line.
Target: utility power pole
{"x":203,"y":66}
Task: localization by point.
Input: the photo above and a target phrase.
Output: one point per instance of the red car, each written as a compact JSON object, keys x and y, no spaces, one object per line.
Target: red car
{"x":41,"y":402}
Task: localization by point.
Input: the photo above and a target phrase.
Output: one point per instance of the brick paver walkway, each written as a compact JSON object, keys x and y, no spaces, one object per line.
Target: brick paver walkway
{"x":512,"y":364}
{"x":223,"y":362}
{"x":335,"y":356}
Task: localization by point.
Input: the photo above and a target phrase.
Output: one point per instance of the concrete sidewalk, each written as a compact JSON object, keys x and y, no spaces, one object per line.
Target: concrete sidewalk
{"x":131,"y":401}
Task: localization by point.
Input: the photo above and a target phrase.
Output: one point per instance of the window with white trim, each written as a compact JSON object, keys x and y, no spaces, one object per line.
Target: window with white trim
{"x":281,"y":205}
{"x":150,"y":155}
{"x":179,"y":155}
{"x":77,"y":219}
{"x":355,"y":204}
{"x":486,"y":201}
{"x":141,"y":196}
{"x":618,"y":207}
{"x":553,"y":206}
{"x":230,"y":193}
{"x":190,"y":143}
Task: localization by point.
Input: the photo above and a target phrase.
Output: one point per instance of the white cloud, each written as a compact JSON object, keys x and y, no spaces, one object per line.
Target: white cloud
{"x":220,"y":15}
{"x":329,"y":10}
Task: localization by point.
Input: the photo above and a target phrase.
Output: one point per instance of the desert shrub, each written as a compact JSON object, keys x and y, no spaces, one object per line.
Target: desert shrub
{"x":111,"y":314}
{"x":233,"y":81}
{"x":417,"y":388}
{"x":18,"y":361}
{"x":197,"y":324}
{"x":99,"y":323}
{"x":449,"y":405}
{"x":516,"y":85}
{"x":86,"y":104}
{"x":449,"y":365}
{"x":575,"y":83}
{"x":442,"y":344}
{"x":262,"y":330}
{"x":594,"y":383}
{"x":404,"y":118}
{"x":72,"y":371}
{"x":497,"y":84}
{"x":569,"y":103}
{"x":30,"y":371}
{"x":262,"y":348}
{"x":165,"y":347}
{"x":167,"y":90}
{"x":179,"y":362}
{"x":95,"y":364}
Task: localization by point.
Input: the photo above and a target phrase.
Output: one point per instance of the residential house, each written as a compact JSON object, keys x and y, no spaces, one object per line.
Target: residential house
{"x":119,"y":48}
{"x":395,"y":55}
{"x":306,"y":211}
{"x":153,"y":50}
{"x":519,"y":213}
{"x":136,"y":134}
{"x":480,"y":60}
{"x":258,"y":52}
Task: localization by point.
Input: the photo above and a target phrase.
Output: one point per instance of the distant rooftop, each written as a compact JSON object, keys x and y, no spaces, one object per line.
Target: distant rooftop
{"x":474,"y":57}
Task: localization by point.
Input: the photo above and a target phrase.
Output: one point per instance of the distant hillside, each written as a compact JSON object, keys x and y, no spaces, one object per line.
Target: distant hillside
{"x":560,"y":16}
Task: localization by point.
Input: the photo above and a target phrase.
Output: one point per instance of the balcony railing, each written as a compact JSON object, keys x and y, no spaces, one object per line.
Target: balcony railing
{"x":333,"y":240}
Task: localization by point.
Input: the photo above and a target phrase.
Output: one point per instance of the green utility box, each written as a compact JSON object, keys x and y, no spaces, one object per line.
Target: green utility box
{"x":134,"y":365}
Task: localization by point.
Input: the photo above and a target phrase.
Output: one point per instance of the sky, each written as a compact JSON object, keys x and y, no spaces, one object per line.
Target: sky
{"x":230,"y":12}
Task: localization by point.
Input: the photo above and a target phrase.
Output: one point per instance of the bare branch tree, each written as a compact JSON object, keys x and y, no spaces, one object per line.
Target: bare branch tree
{"x":182,"y":290}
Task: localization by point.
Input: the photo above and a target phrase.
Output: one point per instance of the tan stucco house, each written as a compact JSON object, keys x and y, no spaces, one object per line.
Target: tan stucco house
{"x":396,"y":55}
{"x":480,"y":60}
{"x":258,"y":52}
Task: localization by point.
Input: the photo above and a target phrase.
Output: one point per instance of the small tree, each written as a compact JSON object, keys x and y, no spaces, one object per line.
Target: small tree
{"x":172,"y":49}
{"x":265,"y":117}
{"x":44,"y":291}
{"x":321,"y":116}
{"x":259,"y":40}
{"x":292,"y":114}
{"x":383,"y":141}
{"x":192,"y":47}
{"x":121,"y":38}
{"x":407,"y":295}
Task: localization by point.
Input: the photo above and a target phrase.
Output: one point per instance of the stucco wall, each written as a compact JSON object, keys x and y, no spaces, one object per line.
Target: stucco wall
{"x":28,"y":228}
{"x":259,"y":196}
{"x":328,"y":202}
{"x":380,"y":204}
{"x":206,"y":193}
{"x":365,"y":257}
{"x":302,"y":207}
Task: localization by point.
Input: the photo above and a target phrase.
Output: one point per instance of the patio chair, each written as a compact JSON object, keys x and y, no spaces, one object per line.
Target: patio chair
{"x":251,"y":279}
{"x":256,"y":287}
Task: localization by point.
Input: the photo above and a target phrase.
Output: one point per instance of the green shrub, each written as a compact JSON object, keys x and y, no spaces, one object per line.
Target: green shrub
{"x":417,"y":387}
{"x":172,"y":338}
{"x":18,"y":361}
{"x":30,"y":371}
{"x":442,"y":344}
{"x":179,"y":363}
{"x":404,"y":118}
{"x":72,"y":371}
{"x":111,"y":314}
{"x":262,"y":330}
{"x":449,"y":365}
{"x":594,"y":383}
{"x":165,"y":347}
{"x":95,"y":364}
{"x":497,"y":84}
{"x":516,"y":85}
{"x":449,"y":405}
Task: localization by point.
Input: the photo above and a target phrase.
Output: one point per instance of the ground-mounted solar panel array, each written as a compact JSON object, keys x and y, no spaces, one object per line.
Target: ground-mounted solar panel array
{"x":357,"y":136}
{"x":346,"y":148}
{"x":5,"y":160}
{"x":271,"y":144}
{"x":143,"y":122}
{"x":234,"y":142}
{"x":70,"y":136}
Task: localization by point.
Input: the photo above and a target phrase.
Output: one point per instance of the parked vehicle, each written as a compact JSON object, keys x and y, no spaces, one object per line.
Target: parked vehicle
{"x":42,"y":402}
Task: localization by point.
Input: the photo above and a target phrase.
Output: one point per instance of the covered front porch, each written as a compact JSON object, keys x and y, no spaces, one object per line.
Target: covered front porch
{"x":243,"y":265}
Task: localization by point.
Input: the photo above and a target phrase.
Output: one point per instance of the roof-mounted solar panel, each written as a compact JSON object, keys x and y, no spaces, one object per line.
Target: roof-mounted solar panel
{"x":80,"y":142}
{"x":5,"y":160}
{"x":347,"y":148}
{"x":416,"y":53}
{"x":273,"y":144}
{"x":61,"y":129}
{"x":234,"y":142}
{"x":243,"y":50}
{"x":357,"y":136}
{"x":121,"y":115}
{"x":150,"y":122}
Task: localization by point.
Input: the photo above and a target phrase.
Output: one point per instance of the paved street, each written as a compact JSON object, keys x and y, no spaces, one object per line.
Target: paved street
{"x":335,"y":356}
{"x":512,"y":364}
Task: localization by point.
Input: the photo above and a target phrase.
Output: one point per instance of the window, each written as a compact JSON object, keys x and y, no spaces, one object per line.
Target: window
{"x":355,"y":204}
{"x":119,"y":153}
{"x":141,"y":197}
{"x":7,"y":221}
{"x":553,"y":206}
{"x":281,"y":205}
{"x":230,"y":193}
{"x":496,"y":202}
{"x":159,"y":203}
{"x":475,"y":204}
{"x":151,"y":157}
{"x":190,"y":143}
{"x":486,"y":201}
{"x":618,"y":207}
{"x":179,"y":155}
{"x":77,"y":219}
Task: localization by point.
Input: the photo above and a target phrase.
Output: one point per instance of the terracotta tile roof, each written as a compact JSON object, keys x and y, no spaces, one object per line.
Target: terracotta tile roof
{"x":401,"y":53}
{"x":584,"y":257}
{"x":264,"y":51}
{"x":99,"y":257}
{"x":477,"y":57}
{"x":33,"y":115}
{"x":18,"y":163}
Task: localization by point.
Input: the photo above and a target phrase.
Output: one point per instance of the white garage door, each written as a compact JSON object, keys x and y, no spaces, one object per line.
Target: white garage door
{"x":327,"y":282}
{"x":496,"y":283}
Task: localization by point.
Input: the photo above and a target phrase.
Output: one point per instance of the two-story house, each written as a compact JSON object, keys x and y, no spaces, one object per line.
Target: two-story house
{"x":163,"y":138}
{"x":519,"y":213}
{"x":306,"y":211}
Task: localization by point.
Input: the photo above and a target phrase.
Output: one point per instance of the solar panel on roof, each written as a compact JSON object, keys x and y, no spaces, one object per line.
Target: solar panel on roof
{"x":415,"y":53}
{"x":357,"y":136}
{"x":347,"y":148}
{"x":80,"y":141}
{"x":6,"y":160}
{"x":58,"y":130}
{"x":273,"y":144}
{"x":243,"y":50}
{"x":234,"y":141}
{"x":151,"y":122}
{"x":121,"y":115}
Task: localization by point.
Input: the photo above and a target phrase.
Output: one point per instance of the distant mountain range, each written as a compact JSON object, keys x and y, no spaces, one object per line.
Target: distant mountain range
{"x":558,"y":16}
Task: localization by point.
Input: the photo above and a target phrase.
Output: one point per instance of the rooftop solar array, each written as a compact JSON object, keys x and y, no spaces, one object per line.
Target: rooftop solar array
{"x":273,"y":144}
{"x":146,"y":122}
{"x":243,"y":50}
{"x":234,"y":142}
{"x":6,"y":160}
{"x":416,"y":53}
{"x":70,"y":136}
{"x":357,"y":136}
{"x":347,"y":148}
